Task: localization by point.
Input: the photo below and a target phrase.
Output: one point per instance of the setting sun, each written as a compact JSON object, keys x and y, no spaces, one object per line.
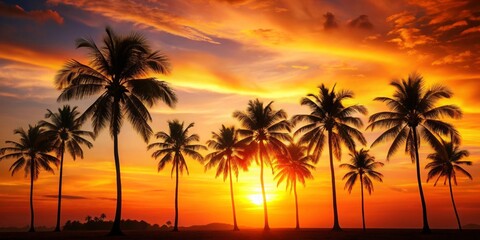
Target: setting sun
{"x":256,"y":199}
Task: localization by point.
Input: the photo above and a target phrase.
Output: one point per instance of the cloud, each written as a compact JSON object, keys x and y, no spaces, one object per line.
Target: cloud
{"x":65,"y":196}
{"x":330,"y":22}
{"x":270,"y":35}
{"x":471,"y":30}
{"x":453,"y":58}
{"x":398,"y":189}
{"x":452,"y":26}
{"x":361,"y":22}
{"x":37,"y":15}
{"x":162,"y":16}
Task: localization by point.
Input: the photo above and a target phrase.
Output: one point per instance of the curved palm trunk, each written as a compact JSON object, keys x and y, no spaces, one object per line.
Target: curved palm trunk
{"x":453,"y":203}
{"x":175,"y":226}
{"x":426,"y":228}
{"x":118,"y":212}
{"x":265,"y":212}
{"x":336,"y":225}
{"x":57,"y":227}
{"x":363,"y":210}
{"x":296,"y":205}
{"x":32,"y":173}
{"x":235,"y":227}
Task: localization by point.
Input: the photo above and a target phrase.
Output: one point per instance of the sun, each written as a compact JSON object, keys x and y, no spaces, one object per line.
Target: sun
{"x":256,"y":199}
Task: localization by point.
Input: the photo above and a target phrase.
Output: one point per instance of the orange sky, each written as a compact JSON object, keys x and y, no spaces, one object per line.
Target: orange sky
{"x":224,"y":53}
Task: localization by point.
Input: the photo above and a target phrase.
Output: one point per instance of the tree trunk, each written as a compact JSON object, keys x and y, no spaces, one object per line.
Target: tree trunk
{"x":59,"y":207}
{"x":265,"y":212}
{"x":453,"y":203}
{"x":118,"y":212}
{"x":336,"y":225}
{"x":297,"y":227}
{"x":175,"y":227}
{"x":426,"y":228}
{"x":363,"y":210}
{"x":235,"y":226}
{"x":32,"y":176}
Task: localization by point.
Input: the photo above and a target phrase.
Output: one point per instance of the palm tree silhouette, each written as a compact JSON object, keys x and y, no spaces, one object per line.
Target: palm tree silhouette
{"x":362,"y":167}
{"x":413,"y":114}
{"x":66,"y":134}
{"x":227,"y":157}
{"x":172,"y":148}
{"x":445,"y":162}
{"x":330,"y":117}
{"x":264,"y":130}
{"x":294,"y":167}
{"x":31,"y":154}
{"x":118,"y":73}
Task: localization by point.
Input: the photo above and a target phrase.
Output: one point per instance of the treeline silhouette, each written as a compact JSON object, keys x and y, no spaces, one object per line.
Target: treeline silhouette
{"x":118,"y":75}
{"x":98,"y":223}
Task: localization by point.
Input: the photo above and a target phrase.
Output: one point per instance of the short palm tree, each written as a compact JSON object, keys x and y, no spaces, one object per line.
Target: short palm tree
{"x":293,"y":167}
{"x":414,"y":116}
{"x":446,"y":162}
{"x":118,"y":73}
{"x":362,"y":167}
{"x":227,"y":157}
{"x":263,"y":130}
{"x":173,"y":147}
{"x":65,"y":130}
{"x":332,"y":122}
{"x":31,"y":154}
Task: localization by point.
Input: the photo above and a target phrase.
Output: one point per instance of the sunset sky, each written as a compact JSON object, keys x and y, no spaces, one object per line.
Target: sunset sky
{"x":225,"y":53}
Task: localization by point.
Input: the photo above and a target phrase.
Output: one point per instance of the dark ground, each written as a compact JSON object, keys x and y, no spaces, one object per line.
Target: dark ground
{"x":284,"y":234}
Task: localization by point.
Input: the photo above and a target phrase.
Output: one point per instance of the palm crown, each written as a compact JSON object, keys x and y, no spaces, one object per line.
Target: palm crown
{"x":227,"y":152}
{"x":446,"y":162}
{"x":117,"y":72}
{"x":65,"y":128}
{"x":264,"y":129}
{"x":31,"y":152}
{"x":294,"y":166}
{"x":175,"y":144}
{"x":413,"y":107}
{"x":362,"y":166}
{"x":329,"y":114}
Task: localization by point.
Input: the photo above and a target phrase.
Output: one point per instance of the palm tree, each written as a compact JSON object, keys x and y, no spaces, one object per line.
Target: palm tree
{"x":414,"y":116}
{"x":294,"y":167}
{"x":66,"y":133}
{"x":362,"y":167}
{"x":31,"y":154}
{"x":263,"y":131}
{"x":172,"y":148}
{"x":227,"y":157}
{"x":444,"y":163}
{"x":117,"y":72}
{"x":331,"y":119}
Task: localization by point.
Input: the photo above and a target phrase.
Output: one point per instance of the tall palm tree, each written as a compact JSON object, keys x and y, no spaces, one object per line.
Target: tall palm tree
{"x":362,"y":167}
{"x":173,"y":146}
{"x":65,"y":130}
{"x":294,"y":167}
{"x":445,"y":162}
{"x":227,"y":157}
{"x":31,"y":154}
{"x":264,"y":130}
{"x":118,"y":73}
{"x":330,"y":119}
{"x":413,"y":116}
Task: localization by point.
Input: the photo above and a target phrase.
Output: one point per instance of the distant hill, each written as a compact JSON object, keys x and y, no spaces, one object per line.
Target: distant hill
{"x":471,"y":226}
{"x":26,"y":228}
{"x":208,"y":227}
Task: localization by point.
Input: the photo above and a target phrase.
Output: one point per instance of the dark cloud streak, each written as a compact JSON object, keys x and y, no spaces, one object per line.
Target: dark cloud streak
{"x":37,"y":15}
